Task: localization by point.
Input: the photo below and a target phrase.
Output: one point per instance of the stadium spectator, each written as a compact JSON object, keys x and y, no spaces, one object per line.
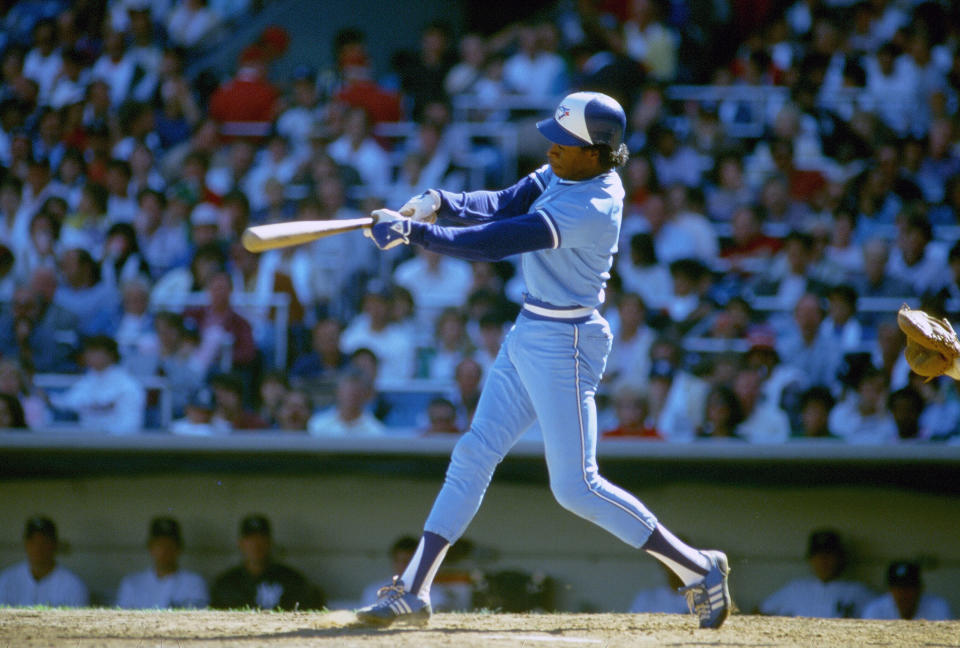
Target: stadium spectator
{"x":40,"y":580}
{"x":918,"y":259}
{"x":357,"y":87}
{"x":164,"y":584}
{"x":229,"y":408}
{"x":722,"y":416}
{"x":107,"y":398}
{"x":190,"y":22}
{"x":841,"y":322}
{"x":763,"y":421}
{"x":218,"y":319}
{"x":536,"y":70}
{"x":825,"y":595}
{"x":803,"y":345}
{"x":198,"y":417}
{"x":324,"y":360}
{"x":373,"y":329}
{"x":642,"y":274}
{"x":273,"y":390}
{"x":247,"y":104}
{"x":905,"y":598}
{"x":632,"y":420}
{"x":875,"y":280}
{"x":450,"y":345}
{"x":92,"y":301}
{"x":260,"y":582}
{"x":441,"y":417}
{"x":629,"y":362}
{"x":435,"y":281}
{"x":468,"y":381}
{"x":295,"y":410}
{"x":422,"y":74}
{"x":862,"y":417}
{"x":349,"y":416}
{"x":16,"y":383}
{"x":816,"y":404}
{"x":39,"y":334}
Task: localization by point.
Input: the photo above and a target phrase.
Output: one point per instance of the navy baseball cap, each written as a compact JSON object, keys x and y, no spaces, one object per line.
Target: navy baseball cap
{"x":586,"y":119}
{"x":824,"y":541}
{"x":40,"y":524}
{"x":903,"y":573}
{"x":255,"y":523}
{"x":165,"y":527}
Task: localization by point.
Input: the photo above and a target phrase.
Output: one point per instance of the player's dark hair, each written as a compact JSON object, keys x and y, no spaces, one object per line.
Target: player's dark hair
{"x":610,"y":159}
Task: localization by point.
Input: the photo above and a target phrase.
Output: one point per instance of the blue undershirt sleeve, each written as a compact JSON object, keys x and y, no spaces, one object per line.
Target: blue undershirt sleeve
{"x":491,"y":241}
{"x":485,"y":206}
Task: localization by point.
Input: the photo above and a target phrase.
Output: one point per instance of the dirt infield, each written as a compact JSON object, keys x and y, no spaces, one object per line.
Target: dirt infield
{"x":113,"y":629}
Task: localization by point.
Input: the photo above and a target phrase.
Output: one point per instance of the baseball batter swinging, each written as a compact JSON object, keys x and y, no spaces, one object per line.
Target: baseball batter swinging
{"x":564,"y":219}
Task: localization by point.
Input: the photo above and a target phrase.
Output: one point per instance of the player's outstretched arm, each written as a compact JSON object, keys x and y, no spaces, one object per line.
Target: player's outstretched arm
{"x":488,"y":242}
{"x":483,"y":206}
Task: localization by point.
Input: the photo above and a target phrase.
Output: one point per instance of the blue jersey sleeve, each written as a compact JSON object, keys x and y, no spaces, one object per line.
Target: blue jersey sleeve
{"x":484,"y":206}
{"x":490,"y":241}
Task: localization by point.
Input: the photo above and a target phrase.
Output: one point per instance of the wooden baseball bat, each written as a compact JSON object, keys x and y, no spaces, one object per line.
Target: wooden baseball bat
{"x":260,"y":238}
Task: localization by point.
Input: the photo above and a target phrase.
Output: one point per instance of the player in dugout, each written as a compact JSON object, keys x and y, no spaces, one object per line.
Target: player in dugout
{"x":564,"y":219}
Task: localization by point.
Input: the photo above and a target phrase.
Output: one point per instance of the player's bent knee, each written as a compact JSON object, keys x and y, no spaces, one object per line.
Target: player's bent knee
{"x":471,"y":449}
{"x":573,"y":495}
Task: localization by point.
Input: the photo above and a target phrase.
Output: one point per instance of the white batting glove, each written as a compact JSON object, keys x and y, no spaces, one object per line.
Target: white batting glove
{"x":390,"y":229}
{"x":422,"y":208}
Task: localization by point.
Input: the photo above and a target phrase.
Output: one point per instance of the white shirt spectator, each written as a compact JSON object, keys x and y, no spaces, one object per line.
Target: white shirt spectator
{"x":434,"y":289}
{"x":181,"y":589}
{"x":810,"y":597}
{"x":190,"y":22}
{"x":369,"y":159}
{"x":683,"y":409}
{"x":43,"y":70}
{"x":684,"y":167}
{"x":929,"y":607}
{"x":848,"y":423}
{"x":891,"y":96}
{"x":109,"y":401}
{"x":393,"y":346}
{"x":59,"y":587}
{"x":116,"y":74}
{"x":767,"y":423}
{"x":539,"y":77}
{"x":329,"y":424}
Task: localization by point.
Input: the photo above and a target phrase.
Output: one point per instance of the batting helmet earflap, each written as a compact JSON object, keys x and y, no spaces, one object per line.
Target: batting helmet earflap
{"x":586,"y":119}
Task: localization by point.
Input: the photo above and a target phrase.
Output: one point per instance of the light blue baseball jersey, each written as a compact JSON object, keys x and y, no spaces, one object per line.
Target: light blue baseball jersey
{"x":585,"y":219}
{"x":569,"y":230}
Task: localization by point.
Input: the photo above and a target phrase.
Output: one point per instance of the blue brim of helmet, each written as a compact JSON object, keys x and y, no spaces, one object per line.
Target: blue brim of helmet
{"x":559,"y":135}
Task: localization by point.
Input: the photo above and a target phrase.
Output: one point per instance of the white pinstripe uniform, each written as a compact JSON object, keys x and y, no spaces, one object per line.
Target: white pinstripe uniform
{"x":549,"y":367}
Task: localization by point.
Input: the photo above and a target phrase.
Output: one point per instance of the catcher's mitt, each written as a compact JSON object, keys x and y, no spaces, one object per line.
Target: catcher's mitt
{"x":932,"y":345}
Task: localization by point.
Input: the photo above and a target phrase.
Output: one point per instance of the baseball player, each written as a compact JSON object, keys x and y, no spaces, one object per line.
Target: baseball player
{"x":164,"y":584}
{"x":564,"y":219}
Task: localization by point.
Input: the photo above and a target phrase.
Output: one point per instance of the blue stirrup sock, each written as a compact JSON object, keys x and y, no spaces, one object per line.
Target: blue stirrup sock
{"x":682,"y":559}
{"x":420,"y":571}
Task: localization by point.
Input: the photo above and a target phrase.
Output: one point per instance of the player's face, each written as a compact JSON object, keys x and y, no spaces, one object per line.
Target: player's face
{"x":573,"y":162}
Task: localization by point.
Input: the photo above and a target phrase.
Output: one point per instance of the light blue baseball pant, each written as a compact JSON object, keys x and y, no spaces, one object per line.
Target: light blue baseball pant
{"x":548,"y":371}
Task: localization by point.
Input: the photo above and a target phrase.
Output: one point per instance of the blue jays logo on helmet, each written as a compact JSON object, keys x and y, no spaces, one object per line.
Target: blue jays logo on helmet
{"x":586,"y":119}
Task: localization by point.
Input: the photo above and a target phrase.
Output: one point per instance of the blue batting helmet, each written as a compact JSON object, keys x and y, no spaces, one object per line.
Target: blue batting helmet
{"x":586,"y":119}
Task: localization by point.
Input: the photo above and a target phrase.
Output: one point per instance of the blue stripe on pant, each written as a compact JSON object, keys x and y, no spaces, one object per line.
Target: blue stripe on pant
{"x":547,"y":371}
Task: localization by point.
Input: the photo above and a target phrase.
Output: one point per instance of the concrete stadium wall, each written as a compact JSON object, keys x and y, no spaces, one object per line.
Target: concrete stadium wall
{"x":337,"y":528}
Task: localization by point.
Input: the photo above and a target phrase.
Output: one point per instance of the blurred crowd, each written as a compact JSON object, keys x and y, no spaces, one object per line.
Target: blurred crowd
{"x":794,"y":176}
